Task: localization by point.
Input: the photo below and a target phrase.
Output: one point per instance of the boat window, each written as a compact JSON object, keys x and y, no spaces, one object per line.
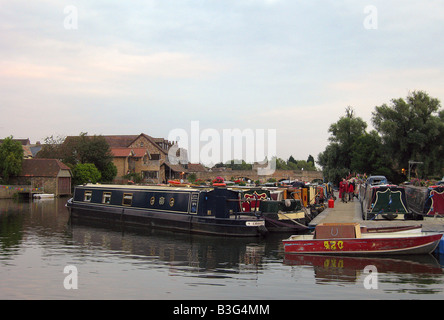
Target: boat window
{"x":127,"y":199}
{"x":88,"y":196}
{"x":106,"y":198}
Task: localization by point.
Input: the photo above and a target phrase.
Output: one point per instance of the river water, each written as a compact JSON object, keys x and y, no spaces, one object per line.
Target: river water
{"x":37,"y":242}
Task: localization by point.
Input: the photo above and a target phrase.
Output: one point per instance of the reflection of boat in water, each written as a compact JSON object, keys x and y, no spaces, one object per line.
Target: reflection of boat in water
{"x":426,"y":201}
{"x":347,"y":239}
{"x":348,"y":268}
{"x":182,"y":252}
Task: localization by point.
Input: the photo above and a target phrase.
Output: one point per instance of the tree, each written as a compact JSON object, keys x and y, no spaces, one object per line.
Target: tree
{"x":345,"y":132}
{"x":336,"y":159}
{"x":368,"y":155}
{"x":412,"y":129}
{"x":82,"y":149}
{"x":85,"y":173}
{"x":52,"y":148}
{"x":311,"y":159}
{"x":11,"y":157}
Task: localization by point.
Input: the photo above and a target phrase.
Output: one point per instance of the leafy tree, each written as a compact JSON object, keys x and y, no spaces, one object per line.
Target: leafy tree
{"x":311,"y":159}
{"x":11,"y":157}
{"x":368,"y":155}
{"x":345,"y":132}
{"x":109,"y":172}
{"x":85,"y":173}
{"x":82,"y":149}
{"x":332,"y":162}
{"x":52,"y":148}
{"x":412,"y":129}
{"x":336,"y":159}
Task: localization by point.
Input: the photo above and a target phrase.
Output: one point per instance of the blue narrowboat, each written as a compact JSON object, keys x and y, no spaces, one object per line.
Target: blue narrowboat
{"x":213,"y":211}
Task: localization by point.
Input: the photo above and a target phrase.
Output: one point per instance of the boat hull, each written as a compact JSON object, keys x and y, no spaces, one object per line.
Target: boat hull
{"x":382,"y":244}
{"x":141,"y":218}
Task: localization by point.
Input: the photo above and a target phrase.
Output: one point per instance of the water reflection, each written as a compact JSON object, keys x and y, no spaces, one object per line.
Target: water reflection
{"x":350,"y":269}
{"x":37,"y":240}
{"x":184,"y":254}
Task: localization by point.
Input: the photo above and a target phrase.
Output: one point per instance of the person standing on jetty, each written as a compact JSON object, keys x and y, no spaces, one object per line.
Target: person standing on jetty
{"x":350,"y":190}
{"x":343,"y":190}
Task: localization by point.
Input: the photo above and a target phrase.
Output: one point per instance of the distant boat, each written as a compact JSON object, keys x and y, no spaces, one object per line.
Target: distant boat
{"x":347,"y":239}
{"x":43,"y":196}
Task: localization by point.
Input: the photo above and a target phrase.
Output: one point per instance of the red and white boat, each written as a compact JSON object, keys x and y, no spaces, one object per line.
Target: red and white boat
{"x":347,"y":239}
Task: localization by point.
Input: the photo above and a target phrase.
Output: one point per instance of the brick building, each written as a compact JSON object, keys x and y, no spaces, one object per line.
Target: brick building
{"x":145,"y":155}
{"x":50,"y":174}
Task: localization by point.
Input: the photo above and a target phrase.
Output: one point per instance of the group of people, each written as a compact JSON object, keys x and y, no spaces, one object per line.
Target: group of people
{"x":346,"y":190}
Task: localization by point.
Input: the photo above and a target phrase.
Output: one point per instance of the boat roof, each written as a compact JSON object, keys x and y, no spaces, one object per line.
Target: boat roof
{"x":137,"y":187}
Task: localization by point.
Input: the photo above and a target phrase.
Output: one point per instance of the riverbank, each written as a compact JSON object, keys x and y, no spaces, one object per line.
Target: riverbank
{"x":351,"y":212}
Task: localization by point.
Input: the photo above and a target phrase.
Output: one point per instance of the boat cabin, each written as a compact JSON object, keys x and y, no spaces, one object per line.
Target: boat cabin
{"x":337,"y":231}
{"x":193,"y":201}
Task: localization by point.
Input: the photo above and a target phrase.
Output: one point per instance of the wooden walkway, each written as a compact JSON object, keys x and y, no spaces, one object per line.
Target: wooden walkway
{"x":351,"y":212}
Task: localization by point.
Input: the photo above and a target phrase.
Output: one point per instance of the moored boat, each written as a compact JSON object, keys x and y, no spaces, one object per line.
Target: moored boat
{"x":212,"y":211}
{"x":347,"y":239}
{"x":426,"y":201}
{"x":380,"y":200}
{"x":280,"y":213}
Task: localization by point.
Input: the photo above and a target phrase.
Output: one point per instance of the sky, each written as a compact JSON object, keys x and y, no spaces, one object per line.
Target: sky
{"x":125,"y":67}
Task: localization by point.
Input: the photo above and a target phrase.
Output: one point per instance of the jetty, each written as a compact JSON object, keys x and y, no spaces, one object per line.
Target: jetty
{"x":346,"y":212}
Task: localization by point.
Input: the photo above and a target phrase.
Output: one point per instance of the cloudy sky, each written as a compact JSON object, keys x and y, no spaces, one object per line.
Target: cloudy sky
{"x":127,"y":67}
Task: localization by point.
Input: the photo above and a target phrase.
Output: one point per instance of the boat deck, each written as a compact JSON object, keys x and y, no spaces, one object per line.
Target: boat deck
{"x":366,"y":236}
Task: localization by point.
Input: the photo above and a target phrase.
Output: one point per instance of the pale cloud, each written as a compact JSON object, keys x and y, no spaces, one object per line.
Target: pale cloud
{"x":141,"y":66}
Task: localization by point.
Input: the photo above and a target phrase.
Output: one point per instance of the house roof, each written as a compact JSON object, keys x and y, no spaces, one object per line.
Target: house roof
{"x":196,"y":167}
{"x":42,"y":167}
{"x":175,"y":167}
{"x":122,"y":141}
{"x":127,"y":152}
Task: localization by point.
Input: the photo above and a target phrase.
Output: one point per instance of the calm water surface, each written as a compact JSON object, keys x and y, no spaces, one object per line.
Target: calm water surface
{"x":37,"y":242}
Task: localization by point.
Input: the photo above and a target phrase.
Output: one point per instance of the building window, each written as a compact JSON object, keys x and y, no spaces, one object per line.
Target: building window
{"x":127,"y":199}
{"x":151,"y":174}
{"x":88,"y":196}
{"x":106,"y":199}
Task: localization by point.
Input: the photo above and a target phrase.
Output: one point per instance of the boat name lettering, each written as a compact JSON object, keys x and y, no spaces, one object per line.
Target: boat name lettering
{"x":255,"y":223}
{"x":333,"y":245}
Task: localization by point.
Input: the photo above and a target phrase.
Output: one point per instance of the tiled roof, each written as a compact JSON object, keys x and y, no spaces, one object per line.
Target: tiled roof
{"x":42,"y":167}
{"x":175,"y":167}
{"x":196,"y":167}
{"x":121,"y":152}
{"x":126,"y":152}
{"x":121,"y":141}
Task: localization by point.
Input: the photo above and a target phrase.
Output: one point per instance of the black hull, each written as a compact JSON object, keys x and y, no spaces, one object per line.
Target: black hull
{"x":274,"y":225}
{"x":141,"y":218}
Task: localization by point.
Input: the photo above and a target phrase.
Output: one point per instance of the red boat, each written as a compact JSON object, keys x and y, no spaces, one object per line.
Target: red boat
{"x":347,"y":239}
